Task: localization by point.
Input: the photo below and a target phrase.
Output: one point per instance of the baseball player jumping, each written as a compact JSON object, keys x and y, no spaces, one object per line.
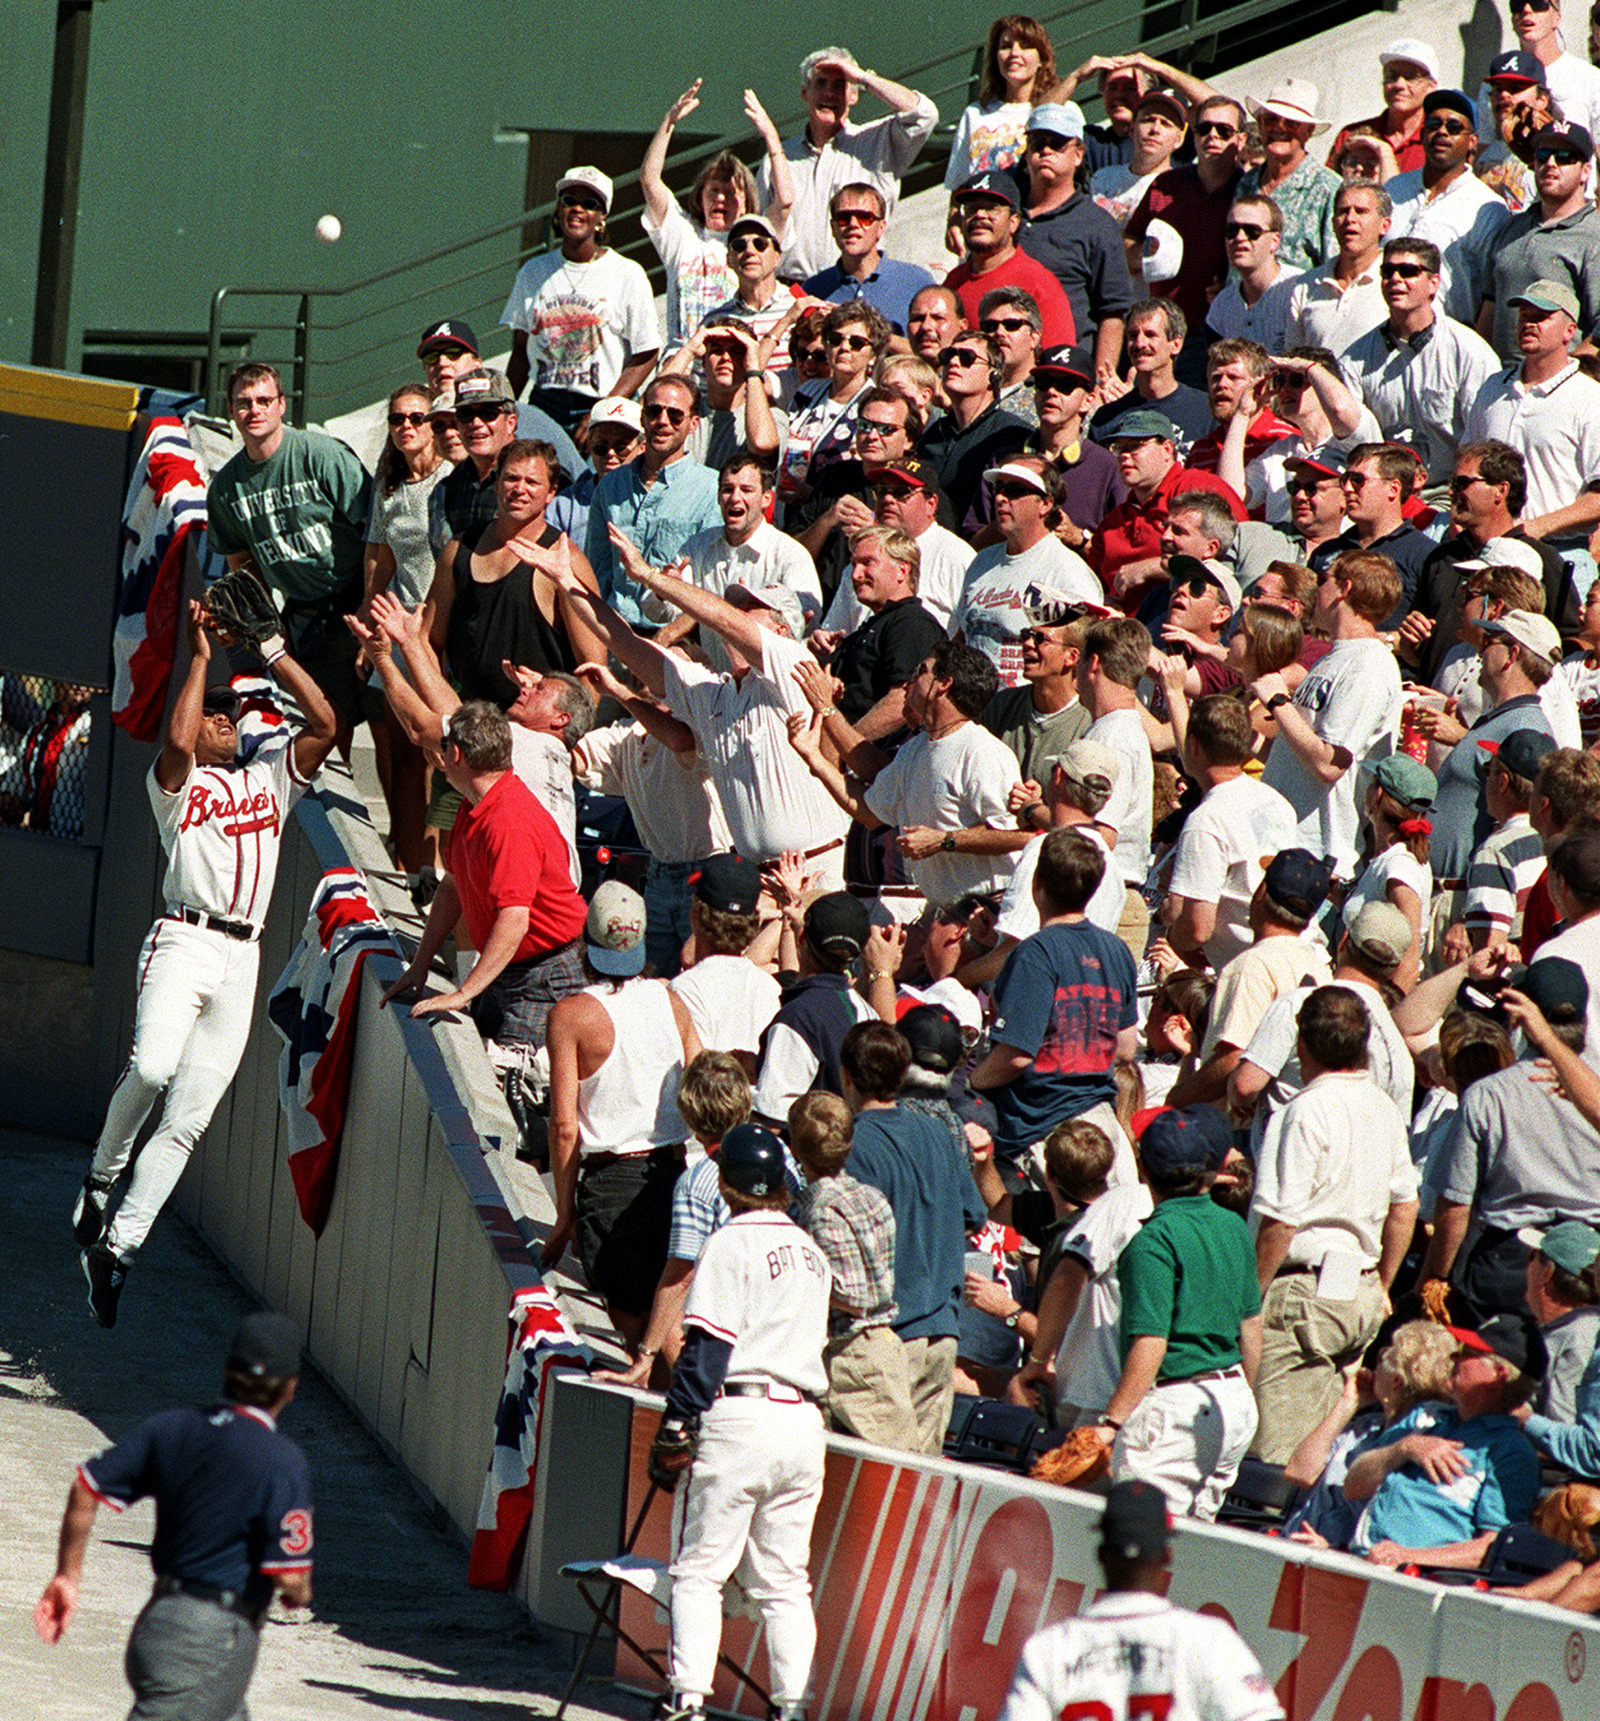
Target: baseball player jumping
{"x":221,"y":823}
{"x":1131,"y":1655}
{"x":742,"y":1420}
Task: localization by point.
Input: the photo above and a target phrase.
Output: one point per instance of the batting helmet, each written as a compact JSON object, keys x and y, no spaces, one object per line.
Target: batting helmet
{"x":751,"y":1159}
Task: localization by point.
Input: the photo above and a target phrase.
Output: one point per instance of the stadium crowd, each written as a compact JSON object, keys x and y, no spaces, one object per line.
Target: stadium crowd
{"x":1110,"y":738}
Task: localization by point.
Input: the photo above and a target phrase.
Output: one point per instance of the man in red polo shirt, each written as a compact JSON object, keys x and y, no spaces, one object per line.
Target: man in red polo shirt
{"x":511,"y":877}
{"x":1125,"y":550}
{"x":1236,"y":376}
{"x":989,"y":209}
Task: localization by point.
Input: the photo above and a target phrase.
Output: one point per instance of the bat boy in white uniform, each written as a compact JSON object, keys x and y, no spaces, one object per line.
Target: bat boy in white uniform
{"x":221,"y":823}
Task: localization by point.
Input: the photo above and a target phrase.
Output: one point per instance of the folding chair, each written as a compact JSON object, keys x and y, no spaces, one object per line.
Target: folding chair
{"x":600,"y":1583}
{"x":1260,"y":1498}
{"x":993,"y":1433}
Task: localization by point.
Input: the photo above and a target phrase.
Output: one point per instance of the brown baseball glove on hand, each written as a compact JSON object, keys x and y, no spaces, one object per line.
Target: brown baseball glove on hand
{"x":671,"y":1453}
{"x":1435,"y":1294}
{"x":1083,"y":1457}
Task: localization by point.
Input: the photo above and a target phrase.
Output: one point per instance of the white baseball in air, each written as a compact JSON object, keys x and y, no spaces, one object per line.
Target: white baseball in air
{"x":329,"y":228}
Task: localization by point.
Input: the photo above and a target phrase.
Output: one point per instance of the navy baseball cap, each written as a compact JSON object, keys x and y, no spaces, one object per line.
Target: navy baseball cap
{"x":997,"y":185}
{"x":450,"y":333}
{"x":1194,"y":1139}
{"x":1136,"y":1524}
{"x":1515,"y":1339}
{"x":1064,"y":364}
{"x":837,"y":925}
{"x":934,"y":1036}
{"x":1326,"y":461}
{"x":1523,"y":751}
{"x":729,"y":883}
{"x":1558,"y":987}
{"x":1517,"y":66}
{"x":1453,"y":101}
{"x":221,"y":698}
{"x":1298,"y":881}
{"x":266,"y":1346}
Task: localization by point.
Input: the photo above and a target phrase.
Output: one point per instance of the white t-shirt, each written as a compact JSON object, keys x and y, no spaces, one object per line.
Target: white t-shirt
{"x":1580,"y":943}
{"x":1119,"y":190}
{"x":1266,"y":321}
{"x":953,"y":784}
{"x":769,"y":797}
{"x":675,"y":807}
{"x":223,"y":830}
{"x":1019,"y":913}
{"x":1582,"y":681}
{"x":1089,"y":1361}
{"x":989,"y":138}
{"x":1308,"y":1176}
{"x":1227,"y":840}
{"x":1395,"y":865}
{"x":582,"y":319}
{"x":1129,"y":1654}
{"x":762,"y":1286}
{"x":545,"y":766}
{"x":1351,"y":698}
{"x":994,"y":602}
{"x":1131,"y":807}
{"x":767,"y":557}
{"x":730,"y":1002}
{"x":696,"y":263}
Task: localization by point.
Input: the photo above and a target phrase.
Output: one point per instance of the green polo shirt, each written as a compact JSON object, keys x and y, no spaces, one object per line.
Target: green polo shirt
{"x":1188,"y":1275}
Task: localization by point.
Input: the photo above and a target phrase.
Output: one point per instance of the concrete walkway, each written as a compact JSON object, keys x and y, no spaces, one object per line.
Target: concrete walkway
{"x":393,"y":1631}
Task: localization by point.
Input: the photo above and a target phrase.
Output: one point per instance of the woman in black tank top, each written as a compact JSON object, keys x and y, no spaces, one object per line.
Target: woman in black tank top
{"x":496,"y":602}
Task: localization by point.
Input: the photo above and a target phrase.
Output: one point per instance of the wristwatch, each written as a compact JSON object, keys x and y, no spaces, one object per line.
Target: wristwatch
{"x":1278,"y":699}
{"x":1013,"y":1318}
{"x":948,"y":843}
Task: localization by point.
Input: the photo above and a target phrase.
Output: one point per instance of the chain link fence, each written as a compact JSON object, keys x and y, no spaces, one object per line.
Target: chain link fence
{"x":44,"y":754}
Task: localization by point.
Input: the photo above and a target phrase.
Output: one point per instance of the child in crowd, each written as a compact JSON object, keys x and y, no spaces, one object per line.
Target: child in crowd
{"x":852,"y":1225}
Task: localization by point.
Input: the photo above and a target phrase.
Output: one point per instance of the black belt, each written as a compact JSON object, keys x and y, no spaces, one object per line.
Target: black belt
{"x":239,"y":929}
{"x":1287,"y":1270}
{"x":232,"y":1600}
{"x":669,"y":1154}
{"x":526,"y":964}
{"x":772,"y":1389}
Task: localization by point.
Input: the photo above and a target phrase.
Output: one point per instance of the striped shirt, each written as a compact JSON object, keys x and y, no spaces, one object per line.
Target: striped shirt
{"x":1503,"y":869}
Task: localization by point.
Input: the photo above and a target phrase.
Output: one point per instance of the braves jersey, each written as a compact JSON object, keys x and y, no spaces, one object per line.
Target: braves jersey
{"x":1131,"y":1656}
{"x":762,"y":1287}
{"x":232,"y":1494}
{"x":223,"y":828}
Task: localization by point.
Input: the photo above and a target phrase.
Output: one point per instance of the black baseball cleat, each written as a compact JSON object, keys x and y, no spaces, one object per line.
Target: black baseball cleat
{"x":106,"y":1275}
{"x":89,"y":1213}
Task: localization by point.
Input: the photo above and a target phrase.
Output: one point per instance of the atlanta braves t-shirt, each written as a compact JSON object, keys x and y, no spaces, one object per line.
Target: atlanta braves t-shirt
{"x":1063,"y":997}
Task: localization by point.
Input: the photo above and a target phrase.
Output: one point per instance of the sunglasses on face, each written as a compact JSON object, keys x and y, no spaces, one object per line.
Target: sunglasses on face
{"x":1307,"y":486}
{"x":1461,"y":485}
{"x":994,"y":325}
{"x":1250,"y":229}
{"x":750,"y":242}
{"x":856,"y":343}
{"x":1014,"y":490}
{"x":611,"y":444}
{"x":1561,"y":157}
{"x":898,"y":492}
{"x":962,"y":356}
{"x":1196,"y":585}
{"x":1533,"y":5}
{"x":1450,"y":127}
{"x":1356,"y":480}
{"x":1040,"y":636}
{"x":875,"y":427}
{"x":589,"y":205}
{"x":442,"y":424}
{"x":478,"y":414}
{"x":674,"y":415}
{"x":1215,"y":128}
{"x":396,"y":419}
{"x":814,"y":356}
{"x":1405,"y":271}
{"x":854,"y":217}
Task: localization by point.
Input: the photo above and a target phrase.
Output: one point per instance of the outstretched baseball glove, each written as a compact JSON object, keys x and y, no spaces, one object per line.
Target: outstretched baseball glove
{"x":1435,"y":1294}
{"x":671,"y":1453}
{"x":1083,"y":1457}
{"x":241,"y":609}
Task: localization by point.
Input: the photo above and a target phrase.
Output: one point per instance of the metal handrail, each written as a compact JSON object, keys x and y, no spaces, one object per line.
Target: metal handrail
{"x":1188,"y":41}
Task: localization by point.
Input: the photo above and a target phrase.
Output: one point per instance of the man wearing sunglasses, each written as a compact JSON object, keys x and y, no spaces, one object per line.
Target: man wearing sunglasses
{"x":1419,"y":372}
{"x":1194,"y":201}
{"x":1012,"y":317}
{"x":660,"y":500}
{"x":988,"y":208}
{"x":1255,"y":304}
{"x":975,"y":433}
{"x":858,"y":216}
{"x":1378,"y":481}
{"x":760,"y":300}
{"x":1314,"y":484}
{"x":584,"y":311}
{"x":1556,"y":239}
{"x":1444,"y":201}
